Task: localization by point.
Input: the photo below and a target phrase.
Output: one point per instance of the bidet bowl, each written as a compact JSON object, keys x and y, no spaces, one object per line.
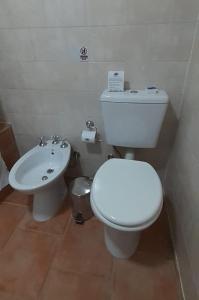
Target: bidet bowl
{"x":39,"y":172}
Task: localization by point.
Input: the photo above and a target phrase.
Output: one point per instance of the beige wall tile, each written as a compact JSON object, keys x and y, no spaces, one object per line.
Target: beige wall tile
{"x":16,"y":45}
{"x":11,"y":75}
{"x":171,"y":42}
{"x":65,"y":12}
{"x":154,"y":11}
{"x":55,"y":75}
{"x":25,"y":14}
{"x":119,"y":43}
{"x":26,"y":142}
{"x":184,"y":10}
{"x":149,"y":11}
{"x":61,"y":44}
{"x":182,"y":181}
{"x":4,"y":14}
{"x":106,"y":12}
{"x":36,"y":125}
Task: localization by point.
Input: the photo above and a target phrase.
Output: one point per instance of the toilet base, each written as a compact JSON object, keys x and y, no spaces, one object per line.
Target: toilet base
{"x":121,"y":244}
{"x":48,"y":201}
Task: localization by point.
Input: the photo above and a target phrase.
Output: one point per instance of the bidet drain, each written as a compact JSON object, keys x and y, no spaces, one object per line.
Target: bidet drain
{"x":44,"y":178}
{"x":49,"y":171}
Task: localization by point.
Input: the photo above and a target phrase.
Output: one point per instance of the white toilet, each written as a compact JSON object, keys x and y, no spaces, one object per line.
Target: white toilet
{"x":127,"y":194}
{"x":40,"y":173}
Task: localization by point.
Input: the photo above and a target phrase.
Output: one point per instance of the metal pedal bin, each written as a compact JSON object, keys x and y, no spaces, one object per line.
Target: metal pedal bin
{"x":80,"y":195}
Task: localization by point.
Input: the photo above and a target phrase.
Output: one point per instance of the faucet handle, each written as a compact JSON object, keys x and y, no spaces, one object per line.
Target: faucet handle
{"x":56,"y":139}
{"x":42,"y":142}
{"x":52,"y":138}
{"x":64,"y":143}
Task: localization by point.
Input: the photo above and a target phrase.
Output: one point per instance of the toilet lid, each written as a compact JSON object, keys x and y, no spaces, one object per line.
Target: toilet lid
{"x":127,"y":192}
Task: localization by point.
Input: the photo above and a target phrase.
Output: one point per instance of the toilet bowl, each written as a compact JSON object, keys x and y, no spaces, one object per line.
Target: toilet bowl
{"x":127,"y":197}
{"x":40,"y":173}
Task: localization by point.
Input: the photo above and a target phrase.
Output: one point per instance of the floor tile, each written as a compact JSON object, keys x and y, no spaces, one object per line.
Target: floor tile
{"x":56,"y":225}
{"x":10,"y":296}
{"x":10,"y":216}
{"x":156,"y":239}
{"x":143,"y":278}
{"x":59,"y":259}
{"x":83,"y":250}
{"x":61,"y":285}
{"x":18,"y":199}
{"x":24,"y":263}
{"x":5,"y":192}
{"x":6,"y":296}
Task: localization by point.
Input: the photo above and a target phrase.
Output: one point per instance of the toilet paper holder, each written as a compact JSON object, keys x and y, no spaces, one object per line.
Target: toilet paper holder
{"x":91,"y":125}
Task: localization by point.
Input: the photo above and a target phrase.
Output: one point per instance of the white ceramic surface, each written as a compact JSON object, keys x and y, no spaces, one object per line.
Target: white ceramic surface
{"x":117,"y":186}
{"x":127,"y":197}
{"x":39,"y":172}
{"x":121,"y":244}
{"x":133,"y":118}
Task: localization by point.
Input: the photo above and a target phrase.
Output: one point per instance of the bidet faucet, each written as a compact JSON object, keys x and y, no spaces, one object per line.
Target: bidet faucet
{"x":64,"y":143}
{"x":42,"y":141}
{"x":56,"y":139}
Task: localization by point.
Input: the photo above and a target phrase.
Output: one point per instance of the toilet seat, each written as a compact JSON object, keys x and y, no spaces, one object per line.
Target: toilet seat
{"x":127,"y":194}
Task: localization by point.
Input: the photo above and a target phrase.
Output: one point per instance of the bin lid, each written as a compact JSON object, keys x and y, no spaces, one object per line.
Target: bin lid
{"x":81,"y":186}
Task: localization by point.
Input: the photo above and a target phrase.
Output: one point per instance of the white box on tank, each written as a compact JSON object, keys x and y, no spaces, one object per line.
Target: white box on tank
{"x":133,"y":118}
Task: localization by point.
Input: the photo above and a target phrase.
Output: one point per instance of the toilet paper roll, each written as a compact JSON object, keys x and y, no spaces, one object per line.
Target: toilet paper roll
{"x":89,"y":136}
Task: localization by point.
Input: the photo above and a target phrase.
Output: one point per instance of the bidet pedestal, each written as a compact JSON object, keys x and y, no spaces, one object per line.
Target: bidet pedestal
{"x":121,"y":244}
{"x":48,"y":201}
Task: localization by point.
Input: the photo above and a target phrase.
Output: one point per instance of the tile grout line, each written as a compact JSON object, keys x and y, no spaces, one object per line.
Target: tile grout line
{"x":48,"y":270}
{"x":91,"y":26}
{"x":13,"y":232}
{"x":58,"y":235}
{"x":14,"y":204}
{"x":188,"y":69}
{"x":79,"y":273}
{"x":112,"y":279}
{"x":87,"y":272}
{"x":41,"y":232}
{"x":68,"y":224}
{"x":53,"y":257}
{"x":176,"y":261}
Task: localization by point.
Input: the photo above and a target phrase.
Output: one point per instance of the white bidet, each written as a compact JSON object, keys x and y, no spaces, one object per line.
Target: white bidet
{"x":40,"y":173}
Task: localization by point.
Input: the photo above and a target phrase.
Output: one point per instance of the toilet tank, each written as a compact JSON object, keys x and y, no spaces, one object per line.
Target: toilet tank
{"x":133,"y":118}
